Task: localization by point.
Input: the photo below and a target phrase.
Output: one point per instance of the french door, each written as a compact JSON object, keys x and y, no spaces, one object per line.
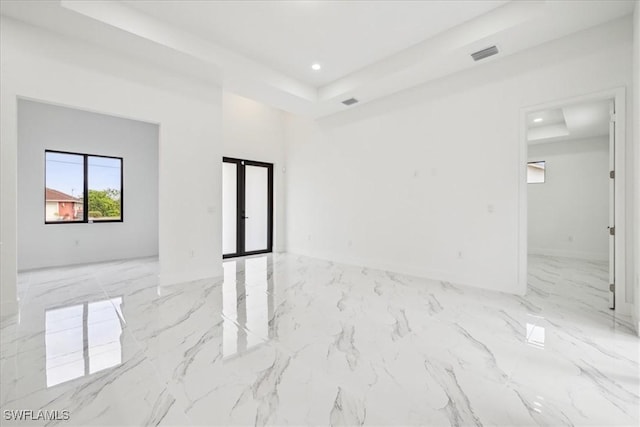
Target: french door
{"x":247,"y":207}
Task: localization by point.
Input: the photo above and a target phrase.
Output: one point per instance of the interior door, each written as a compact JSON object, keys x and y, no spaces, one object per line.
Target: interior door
{"x":612,"y":236}
{"x":247,"y":207}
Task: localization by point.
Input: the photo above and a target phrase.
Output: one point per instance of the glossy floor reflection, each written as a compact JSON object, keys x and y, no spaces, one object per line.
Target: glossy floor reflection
{"x":82,"y":339}
{"x":287,"y":340}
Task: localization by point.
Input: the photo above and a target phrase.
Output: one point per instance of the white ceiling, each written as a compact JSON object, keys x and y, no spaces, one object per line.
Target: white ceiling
{"x":289,"y":36}
{"x":575,"y":121}
{"x":263,"y":49}
{"x":545,"y":118}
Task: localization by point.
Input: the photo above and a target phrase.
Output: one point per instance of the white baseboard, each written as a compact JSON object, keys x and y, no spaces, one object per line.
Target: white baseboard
{"x":8,"y":308}
{"x":453,"y":277}
{"x":190,"y":276}
{"x":624,"y":308}
{"x":587,"y":256}
{"x":76,"y":264}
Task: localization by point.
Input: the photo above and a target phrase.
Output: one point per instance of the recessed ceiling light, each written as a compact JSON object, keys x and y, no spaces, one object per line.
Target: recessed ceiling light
{"x":316,"y":67}
{"x":537,"y":120}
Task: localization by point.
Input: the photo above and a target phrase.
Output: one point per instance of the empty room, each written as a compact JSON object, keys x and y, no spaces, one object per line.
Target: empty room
{"x":387,"y":213}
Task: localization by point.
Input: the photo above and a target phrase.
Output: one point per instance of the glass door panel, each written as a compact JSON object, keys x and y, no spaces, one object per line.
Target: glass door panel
{"x":229,"y":207}
{"x":256,"y":218}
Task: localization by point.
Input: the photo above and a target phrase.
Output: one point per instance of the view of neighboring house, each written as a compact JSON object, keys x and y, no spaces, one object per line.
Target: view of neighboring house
{"x":61,"y":206}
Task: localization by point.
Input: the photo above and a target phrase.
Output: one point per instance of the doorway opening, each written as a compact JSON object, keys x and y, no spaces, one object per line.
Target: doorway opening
{"x":247,"y":207}
{"x":83,"y":180}
{"x":571,"y":201}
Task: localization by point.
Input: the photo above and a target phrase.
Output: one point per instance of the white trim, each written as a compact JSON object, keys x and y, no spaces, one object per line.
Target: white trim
{"x":619,"y":97}
{"x":587,"y":256}
{"x":170,"y":279}
{"x":427,"y":274}
{"x":9,"y":308}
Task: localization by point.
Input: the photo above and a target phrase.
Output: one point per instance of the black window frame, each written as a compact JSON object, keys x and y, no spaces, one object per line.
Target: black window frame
{"x":85,"y":189}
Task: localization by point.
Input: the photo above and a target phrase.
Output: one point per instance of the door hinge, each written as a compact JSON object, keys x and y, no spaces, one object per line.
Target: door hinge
{"x":613,"y":118}
{"x":612,"y":287}
{"x":612,"y":231}
{"x":612,"y":174}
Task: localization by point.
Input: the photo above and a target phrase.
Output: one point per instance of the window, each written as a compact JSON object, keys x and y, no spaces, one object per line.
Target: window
{"x":82,"y":188}
{"x":104,"y":179}
{"x":535,"y":172}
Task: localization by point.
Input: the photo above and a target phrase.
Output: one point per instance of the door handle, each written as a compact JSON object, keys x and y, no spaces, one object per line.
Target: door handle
{"x":245,"y":217}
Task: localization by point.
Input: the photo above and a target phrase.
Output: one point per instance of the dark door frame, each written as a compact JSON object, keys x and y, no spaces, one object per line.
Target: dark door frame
{"x":241,"y":205}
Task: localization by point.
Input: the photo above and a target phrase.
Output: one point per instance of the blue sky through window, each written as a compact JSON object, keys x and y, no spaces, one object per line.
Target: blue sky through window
{"x":104,"y":173}
{"x":65,"y":173}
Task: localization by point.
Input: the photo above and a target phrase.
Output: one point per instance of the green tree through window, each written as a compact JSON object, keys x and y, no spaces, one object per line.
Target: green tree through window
{"x":104,"y":203}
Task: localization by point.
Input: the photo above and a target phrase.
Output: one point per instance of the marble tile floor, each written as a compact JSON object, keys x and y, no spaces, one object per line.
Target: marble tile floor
{"x":289,"y":340}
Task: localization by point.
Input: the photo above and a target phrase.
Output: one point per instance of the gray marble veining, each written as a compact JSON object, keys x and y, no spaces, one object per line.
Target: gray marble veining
{"x":289,"y":340}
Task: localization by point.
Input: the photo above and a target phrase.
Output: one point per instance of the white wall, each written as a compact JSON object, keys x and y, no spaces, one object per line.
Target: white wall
{"x":39,"y":65}
{"x":47,"y":127}
{"x":636,"y":151}
{"x":393,"y":184}
{"x":254,"y":131}
{"x":568,"y":213}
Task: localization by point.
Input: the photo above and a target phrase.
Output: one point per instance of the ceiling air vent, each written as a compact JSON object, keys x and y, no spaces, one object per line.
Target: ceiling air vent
{"x":484,"y":53}
{"x":350,"y":101}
